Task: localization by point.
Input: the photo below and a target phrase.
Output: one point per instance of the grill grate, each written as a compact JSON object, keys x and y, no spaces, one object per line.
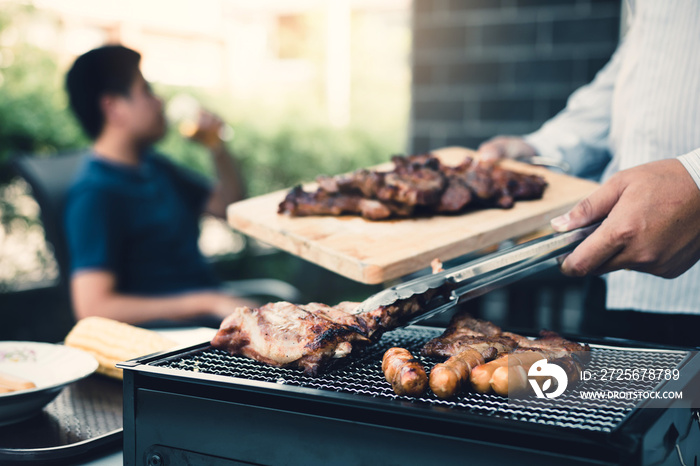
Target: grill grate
{"x":362,"y":375}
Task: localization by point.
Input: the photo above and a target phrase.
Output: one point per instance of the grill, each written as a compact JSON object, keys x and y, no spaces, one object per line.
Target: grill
{"x":202,"y":404}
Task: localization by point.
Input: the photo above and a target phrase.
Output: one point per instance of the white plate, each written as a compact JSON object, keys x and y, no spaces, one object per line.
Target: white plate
{"x":51,"y":367}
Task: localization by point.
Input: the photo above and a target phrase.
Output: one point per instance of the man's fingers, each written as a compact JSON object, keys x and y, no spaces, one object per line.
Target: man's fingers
{"x":595,"y":207}
{"x":593,"y":255}
{"x":505,"y":147}
{"x":491,"y":151}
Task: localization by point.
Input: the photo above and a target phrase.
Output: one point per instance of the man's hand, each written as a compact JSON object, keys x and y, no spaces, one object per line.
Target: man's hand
{"x":652,"y":223}
{"x":208,"y":130}
{"x":505,"y":147}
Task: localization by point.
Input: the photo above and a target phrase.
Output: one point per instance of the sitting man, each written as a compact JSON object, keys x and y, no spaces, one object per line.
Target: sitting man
{"x":132,"y":217}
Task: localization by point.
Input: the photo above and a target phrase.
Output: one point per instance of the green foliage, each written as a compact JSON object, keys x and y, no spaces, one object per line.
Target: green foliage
{"x":34,"y":117}
{"x":287,"y":148}
{"x":294,"y":152}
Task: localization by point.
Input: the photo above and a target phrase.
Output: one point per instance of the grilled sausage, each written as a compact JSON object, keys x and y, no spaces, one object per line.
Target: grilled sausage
{"x":482,"y":376}
{"x":512,"y":377}
{"x":448,"y":378}
{"x":11,"y":383}
{"x":405,"y":373}
{"x":510,"y":380}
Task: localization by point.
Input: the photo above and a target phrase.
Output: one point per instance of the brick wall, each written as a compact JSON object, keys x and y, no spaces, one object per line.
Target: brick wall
{"x":488,"y":67}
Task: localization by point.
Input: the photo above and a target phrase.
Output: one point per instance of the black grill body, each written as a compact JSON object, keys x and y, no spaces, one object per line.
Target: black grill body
{"x":200,"y":405}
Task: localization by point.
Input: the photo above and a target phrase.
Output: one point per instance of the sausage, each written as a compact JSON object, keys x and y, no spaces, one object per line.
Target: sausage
{"x":482,"y":375}
{"x":11,"y":383}
{"x":510,"y":380}
{"x":448,"y":378}
{"x":405,"y":373}
{"x":512,"y":377}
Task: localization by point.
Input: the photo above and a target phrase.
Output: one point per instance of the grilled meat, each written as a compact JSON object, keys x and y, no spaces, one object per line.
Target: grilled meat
{"x":465,"y":332}
{"x":464,"y":322}
{"x":417,"y":185}
{"x":414,"y":181}
{"x":447,"y":379}
{"x":455,"y":197}
{"x":308,"y":336}
{"x":323,"y":202}
{"x":386,"y":318}
{"x":549,"y":343}
{"x":488,"y":347}
{"x":466,"y":336}
{"x":286,"y":335}
{"x":507,"y":375}
{"x":405,"y":373}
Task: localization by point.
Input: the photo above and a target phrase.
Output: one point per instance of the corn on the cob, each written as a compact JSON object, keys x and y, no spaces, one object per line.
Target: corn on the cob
{"x":111,"y":342}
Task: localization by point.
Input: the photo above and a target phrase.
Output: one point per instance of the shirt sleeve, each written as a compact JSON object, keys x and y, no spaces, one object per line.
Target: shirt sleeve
{"x":691,"y":162}
{"x":93,"y":232}
{"x":579,"y":134}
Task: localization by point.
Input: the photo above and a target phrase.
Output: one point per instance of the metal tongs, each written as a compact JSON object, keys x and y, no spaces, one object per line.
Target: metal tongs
{"x":475,"y":278}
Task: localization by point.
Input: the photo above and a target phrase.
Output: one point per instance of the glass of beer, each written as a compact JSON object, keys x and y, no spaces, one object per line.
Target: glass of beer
{"x":186,"y":114}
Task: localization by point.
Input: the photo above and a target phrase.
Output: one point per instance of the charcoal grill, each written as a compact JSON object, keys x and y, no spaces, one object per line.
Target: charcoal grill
{"x":200,"y":405}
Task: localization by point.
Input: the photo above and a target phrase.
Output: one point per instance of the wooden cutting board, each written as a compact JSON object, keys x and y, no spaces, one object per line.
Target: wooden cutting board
{"x":375,"y":252}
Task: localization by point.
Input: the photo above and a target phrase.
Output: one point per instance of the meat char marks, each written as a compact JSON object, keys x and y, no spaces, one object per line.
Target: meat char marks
{"x":465,"y":332}
{"x":286,"y":335}
{"x":307,"y":336}
{"x":567,"y":353}
{"x":417,"y":185}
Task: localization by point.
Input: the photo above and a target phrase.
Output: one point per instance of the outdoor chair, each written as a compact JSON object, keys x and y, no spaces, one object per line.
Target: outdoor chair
{"x":50,"y":178}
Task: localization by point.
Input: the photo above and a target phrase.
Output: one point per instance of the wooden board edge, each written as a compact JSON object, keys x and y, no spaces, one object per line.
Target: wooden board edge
{"x":331,"y":260}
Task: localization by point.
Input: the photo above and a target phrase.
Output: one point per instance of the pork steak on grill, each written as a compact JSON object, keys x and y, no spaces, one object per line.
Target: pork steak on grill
{"x":466,"y":332}
{"x":308,"y":336}
{"x":283,"y":334}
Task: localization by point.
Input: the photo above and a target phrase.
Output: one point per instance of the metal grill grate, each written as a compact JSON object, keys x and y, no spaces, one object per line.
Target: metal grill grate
{"x":362,"y":375}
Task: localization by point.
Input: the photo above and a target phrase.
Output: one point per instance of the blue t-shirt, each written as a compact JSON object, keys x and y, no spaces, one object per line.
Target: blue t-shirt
{"x":140,"y":223}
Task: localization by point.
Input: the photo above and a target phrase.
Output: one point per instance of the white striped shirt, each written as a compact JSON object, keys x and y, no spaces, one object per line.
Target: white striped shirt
{"x":644,"y":105}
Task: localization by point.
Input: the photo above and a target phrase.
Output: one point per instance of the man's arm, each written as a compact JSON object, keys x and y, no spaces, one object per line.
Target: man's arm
{"x":651,"y":221}
{"x":578,"y":135}
{"x":93,"y":294}
{"x":230,"y":185}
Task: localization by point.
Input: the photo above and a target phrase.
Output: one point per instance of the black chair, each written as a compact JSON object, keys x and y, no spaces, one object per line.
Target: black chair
{"x":50,"y":178}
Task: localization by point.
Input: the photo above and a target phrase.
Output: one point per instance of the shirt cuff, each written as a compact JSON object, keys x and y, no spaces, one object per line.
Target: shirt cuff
{"x":543,"y":144}
{"x":691,"y":162}
{"x":548,"y":145}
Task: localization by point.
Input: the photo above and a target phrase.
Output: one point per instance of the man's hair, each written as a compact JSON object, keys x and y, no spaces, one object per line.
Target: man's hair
{"x":108,"y":70}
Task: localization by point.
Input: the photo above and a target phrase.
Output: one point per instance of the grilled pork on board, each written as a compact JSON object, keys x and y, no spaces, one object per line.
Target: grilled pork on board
{"x":417,"y":185}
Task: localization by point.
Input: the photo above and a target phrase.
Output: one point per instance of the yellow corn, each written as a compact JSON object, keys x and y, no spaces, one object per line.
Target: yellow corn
{"x":111,"y":342}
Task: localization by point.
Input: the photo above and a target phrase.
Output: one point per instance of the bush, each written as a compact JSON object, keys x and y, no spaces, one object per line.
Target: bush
{"x":34,"y":115}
